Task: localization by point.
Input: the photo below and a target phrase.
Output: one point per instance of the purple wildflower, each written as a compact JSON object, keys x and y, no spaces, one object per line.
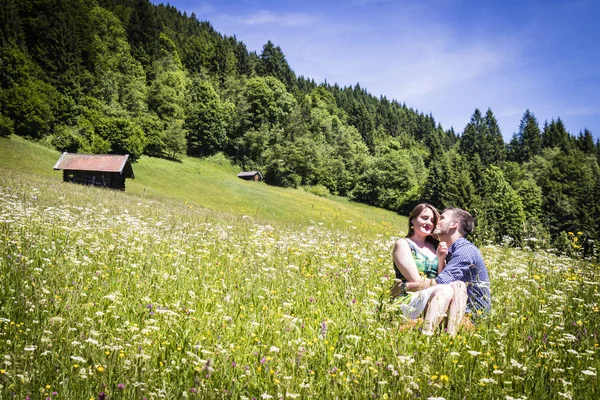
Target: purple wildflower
{"x":121,"y":386}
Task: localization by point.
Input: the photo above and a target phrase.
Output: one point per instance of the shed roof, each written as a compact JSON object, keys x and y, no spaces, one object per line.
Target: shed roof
{"x":95,"y":162}
{"x":249,"y":173}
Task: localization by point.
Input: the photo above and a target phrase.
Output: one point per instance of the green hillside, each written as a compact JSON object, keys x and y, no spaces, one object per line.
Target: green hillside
{"x":212,"y":184}
{"x":130,"y":295}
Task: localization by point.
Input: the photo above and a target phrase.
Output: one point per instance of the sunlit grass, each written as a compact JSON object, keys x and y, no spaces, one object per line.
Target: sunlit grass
{"x":125,"y":296}
{"x":213,"y":184}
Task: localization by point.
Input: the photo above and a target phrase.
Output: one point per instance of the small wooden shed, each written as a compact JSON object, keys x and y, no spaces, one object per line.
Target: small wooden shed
{"x":250,"y":176}
{"x":105,"y":170}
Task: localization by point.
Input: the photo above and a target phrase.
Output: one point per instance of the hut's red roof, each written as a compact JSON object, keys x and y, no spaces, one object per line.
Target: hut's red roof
{"x":95,"y":162}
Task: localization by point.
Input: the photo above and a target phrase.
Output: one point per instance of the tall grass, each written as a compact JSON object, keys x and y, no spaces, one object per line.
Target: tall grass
{"x":117,"y":295}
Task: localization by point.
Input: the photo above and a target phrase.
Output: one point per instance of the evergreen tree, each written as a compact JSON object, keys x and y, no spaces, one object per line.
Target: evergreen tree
{"x":224,"y":63}
{"x":530,"y":133}
{"x":461,"y":192}
{"x":528,"y":141}
{"x":167,"y":98}
{"x":143,"y":31}
{"x":244,"y":62}
{"x":361,"y":119}
{"x":482,"y":137}
{"x":11,"y":31}
{"x":120,"y":79}
{"x":460,"y":189}
{"x":449,"y":185}
{"x":28,"y":103}
{"x":585,"y":142}
{"x":58,"y":35}
{"x":502,"y":211}
{"x":475,"y":132}
{"x":273,"y":63}
{"x":568,"y":184}
{"x":555,"y":135}
{"x":495,"y":149}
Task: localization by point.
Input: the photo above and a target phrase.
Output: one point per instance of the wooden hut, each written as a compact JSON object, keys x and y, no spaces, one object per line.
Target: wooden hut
{"x":250,"y":176}
{"x":105,"y":170}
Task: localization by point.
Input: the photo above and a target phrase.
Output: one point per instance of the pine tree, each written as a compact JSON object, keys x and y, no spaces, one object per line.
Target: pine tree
{"x":555,"y":135}
{"x":244,"y":63}
{"x":120,"y":79}
{"x":502,"y":209}
{"x":495,"y":148}
{"x":528,"y":141}
{"x":58,"y":36}
{"x":11,"y":31}
{"x":585,"y":142}
{"x":273,"y":63}
{"x":482,"y":137}
{"x":473,"y":137}
{"x":143,"y":31}
{"x":167,"y":99}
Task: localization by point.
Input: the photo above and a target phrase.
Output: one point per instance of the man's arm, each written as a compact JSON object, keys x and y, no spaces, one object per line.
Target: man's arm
{"x":458,"y":268}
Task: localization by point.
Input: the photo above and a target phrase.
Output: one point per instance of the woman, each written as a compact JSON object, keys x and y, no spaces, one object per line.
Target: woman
{"x":418,"y":259}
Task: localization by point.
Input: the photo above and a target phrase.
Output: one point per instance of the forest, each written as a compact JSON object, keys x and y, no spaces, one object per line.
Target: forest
{"x":129,"y":77}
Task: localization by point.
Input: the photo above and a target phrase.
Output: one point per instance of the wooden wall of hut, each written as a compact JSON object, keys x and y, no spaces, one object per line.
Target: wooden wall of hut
{"x":111,"y":180}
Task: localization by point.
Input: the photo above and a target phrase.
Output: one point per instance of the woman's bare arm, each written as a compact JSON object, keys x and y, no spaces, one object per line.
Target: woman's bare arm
{"x":404,"y":261}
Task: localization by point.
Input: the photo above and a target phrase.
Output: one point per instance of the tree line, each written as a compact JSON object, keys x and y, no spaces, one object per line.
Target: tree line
{"x":126,"y":76}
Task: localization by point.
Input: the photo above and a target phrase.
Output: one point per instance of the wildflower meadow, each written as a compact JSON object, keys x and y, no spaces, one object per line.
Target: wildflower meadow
{"x":108,"y":295}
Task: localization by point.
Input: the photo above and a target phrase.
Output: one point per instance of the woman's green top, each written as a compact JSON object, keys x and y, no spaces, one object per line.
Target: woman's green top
{"x":426,"y":266}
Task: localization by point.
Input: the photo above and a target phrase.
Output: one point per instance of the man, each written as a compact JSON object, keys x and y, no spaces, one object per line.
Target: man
{"x":463,"y":262}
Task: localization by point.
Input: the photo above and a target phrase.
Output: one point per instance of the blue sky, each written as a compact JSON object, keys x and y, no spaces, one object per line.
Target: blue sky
{"x":444,"y":57}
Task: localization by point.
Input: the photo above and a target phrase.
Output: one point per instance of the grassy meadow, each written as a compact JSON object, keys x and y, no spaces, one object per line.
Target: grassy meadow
{"x":195,"y":284}
{"x":212,"y":184}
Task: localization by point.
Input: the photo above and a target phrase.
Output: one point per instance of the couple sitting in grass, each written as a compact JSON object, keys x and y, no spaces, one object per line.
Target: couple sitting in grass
{"x":443,"y":275}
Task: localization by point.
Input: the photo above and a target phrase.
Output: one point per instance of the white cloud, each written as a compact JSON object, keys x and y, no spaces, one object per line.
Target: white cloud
{"x":428,"y":56}
{"x":445,"y":68}
{"x":264,"y":17}
{"x":582,"y":110}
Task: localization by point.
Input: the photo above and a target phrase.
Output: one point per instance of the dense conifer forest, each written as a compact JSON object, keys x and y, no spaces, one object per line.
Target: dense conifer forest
{"x":126,"y":76}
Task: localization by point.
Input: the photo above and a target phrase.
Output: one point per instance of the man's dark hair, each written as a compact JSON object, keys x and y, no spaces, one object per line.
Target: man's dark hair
{"x":466,"y":222}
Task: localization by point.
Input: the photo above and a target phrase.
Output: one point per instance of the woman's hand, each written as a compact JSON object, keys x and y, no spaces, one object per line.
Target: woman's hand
{"x":442,"y":251}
